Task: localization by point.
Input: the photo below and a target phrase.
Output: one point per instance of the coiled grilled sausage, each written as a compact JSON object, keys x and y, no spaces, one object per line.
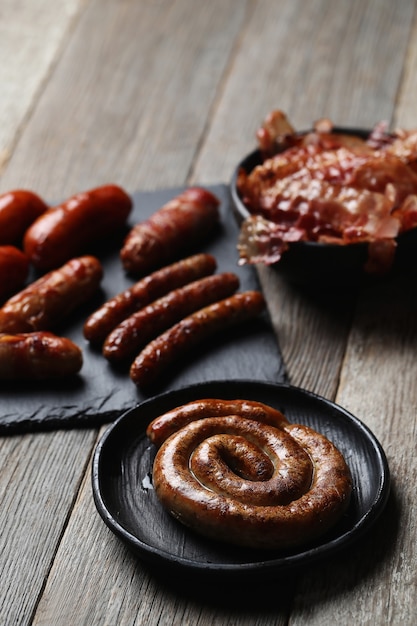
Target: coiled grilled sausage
{"x":174,"y":343}
{"x":43,"y":304}
{"x":100,"y":323}
{"x":136,"y":331}
{"x":37,"y":356}
{"x":72,"y":228}
{"x":244,"y":482}
{"x":179,"y":225}
{"x":165,"y":425}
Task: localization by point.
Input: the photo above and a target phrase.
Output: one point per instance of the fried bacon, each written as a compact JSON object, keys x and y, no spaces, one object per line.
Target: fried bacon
{"x":328,"y":187}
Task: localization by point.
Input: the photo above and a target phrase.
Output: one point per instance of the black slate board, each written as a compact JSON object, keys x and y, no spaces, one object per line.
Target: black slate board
{"x":101,"y":393}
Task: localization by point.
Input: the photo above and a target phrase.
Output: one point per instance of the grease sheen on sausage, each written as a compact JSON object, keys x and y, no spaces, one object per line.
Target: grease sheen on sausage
{"x":38,"y":355}
{"x":72,"y":228}
{"x":239,"y":480}
{"x":45,"y":303}
{"x":114,"y":311}
{"x":165,"y":425}
{"x":136,"y":331}
{"x":18,"y":210}
{"x":178,"y":226}
{"x":14,"y":269}
{"x":177,"y":341}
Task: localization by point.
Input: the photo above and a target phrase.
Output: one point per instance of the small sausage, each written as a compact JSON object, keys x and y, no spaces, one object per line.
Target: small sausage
{"x":100,"y":323}
{"x":18,"y":209}
{"x":72,"y":228}
{"x":182,"y":223}
{"x":43,"y":304}
{"x":38,"y":355}
{"x":190,"y":332}
{"x":136,"y":331}
{"x":14,"y":269}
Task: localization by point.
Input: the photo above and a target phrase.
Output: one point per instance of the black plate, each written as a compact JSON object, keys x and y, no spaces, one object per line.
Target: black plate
{"x":126,"y":501}
{"x":309,"y":262}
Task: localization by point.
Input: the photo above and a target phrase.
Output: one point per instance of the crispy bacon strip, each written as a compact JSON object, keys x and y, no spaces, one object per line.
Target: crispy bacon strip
{"x":329,"y":188}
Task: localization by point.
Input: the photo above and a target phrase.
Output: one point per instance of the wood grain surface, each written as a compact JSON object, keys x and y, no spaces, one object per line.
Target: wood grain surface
{"x":170,"y":92}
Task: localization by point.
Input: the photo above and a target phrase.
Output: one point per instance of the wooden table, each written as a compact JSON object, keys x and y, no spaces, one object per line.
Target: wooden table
{"x":154,"y":94}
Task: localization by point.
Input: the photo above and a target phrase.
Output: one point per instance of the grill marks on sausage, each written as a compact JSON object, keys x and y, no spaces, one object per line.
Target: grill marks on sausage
{"x":100,"y":323}
{"x":43,"y":304}
{"x":140,"y":328}
{"x":250,"y":480}
{"x":38,"y":356}
{"x":195,"y":329}
{"x":184,"y":222}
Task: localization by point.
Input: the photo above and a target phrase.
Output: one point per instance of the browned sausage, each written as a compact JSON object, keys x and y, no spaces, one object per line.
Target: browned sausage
{"x":14,"y":269}
{"x":179,"y":225}
{"x":165,"y":425}
{"x":72,"y":228}
{"x":38,"y":355}
{"x":43,"y":304}
{"x":114,"y":311}
{"x":244,"y":482}
{"x":136,"y":331}
{"x":18,"y":209}
{"x":174,"y":343}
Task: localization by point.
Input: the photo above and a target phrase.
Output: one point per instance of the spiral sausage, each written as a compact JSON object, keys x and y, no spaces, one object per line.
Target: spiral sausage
{"x":245,"y":482}
{"x":136,"y":331}
{"x":100,"y":323}
{"x":180,"y":224}
{"x":43,"y":304}
{"x":37,"y":356}
{"x":190,"y":332}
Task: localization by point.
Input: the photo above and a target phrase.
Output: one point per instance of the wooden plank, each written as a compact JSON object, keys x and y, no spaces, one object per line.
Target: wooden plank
{"x":106,"y":565}
{"x":31,"y":37}
{"x":130,"y":99}
{"x":40,"y":476}
{"x":377,"y":583}
{"x":301,"y":80}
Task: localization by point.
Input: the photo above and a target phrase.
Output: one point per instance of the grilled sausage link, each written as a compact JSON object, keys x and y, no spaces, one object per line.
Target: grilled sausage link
{"x":38,"y":355}
{"x":136,"y":331}
{"x":182,"y":223}
{"x":18,"y":209}
{"x":190,"y":332}
{"x":70,"y":229}
{"x":100,"y":323}
{"x":244,"y":482}
{"x":14,"y":269}
{"x":43,"y":304}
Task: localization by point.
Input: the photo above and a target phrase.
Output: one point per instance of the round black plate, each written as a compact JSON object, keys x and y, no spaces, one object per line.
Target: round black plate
{"x":125,"y":499}
{"x":309,"y":262}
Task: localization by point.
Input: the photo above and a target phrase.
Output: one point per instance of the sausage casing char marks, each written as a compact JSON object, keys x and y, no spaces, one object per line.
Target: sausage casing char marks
{"x":100,"y":323}
{"x":72,"y":228}
{"x":18,"y":210}
{"x":181,"y":224}
{"x":45,"y":303}
{"x":37,"y":356}
{"x":257,"y":481}
{"x":14,"y":269}
{"x":136,"y":331}
{"x":177,"y":341}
